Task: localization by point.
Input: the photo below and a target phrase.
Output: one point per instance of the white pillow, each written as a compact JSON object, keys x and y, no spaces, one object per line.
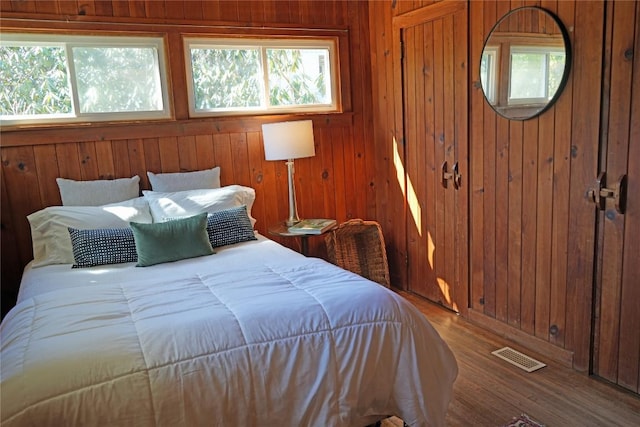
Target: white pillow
{"x":181,"y":181}
{"x":99,"y":192}
{"x":49,"y":226}
{"x":167,"y":206}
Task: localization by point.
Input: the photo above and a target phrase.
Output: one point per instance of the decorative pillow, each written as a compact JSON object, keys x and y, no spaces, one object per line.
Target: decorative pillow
{"x":171,"y":240}
{"x":230,"y":226}
{"x":99,"y":192}
{"x":49,"y":226}
{"x":102,"y":246}
{"x":181,"y":181}
{"x":165,"y":206}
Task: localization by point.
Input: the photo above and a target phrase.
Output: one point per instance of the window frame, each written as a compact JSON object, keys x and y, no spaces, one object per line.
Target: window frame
{"x":262,"y":44}
{"x":544,"y":50}
{"x":493,"y":53}
{"x":70,"y":41}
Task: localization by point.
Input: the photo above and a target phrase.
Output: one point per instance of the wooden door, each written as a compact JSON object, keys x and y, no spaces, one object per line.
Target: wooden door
{"x":616,"y":355}
{"x":434,"y":123}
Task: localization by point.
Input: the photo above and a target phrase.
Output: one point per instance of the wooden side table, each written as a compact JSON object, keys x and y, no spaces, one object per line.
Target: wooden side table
{"x":280,"y":229}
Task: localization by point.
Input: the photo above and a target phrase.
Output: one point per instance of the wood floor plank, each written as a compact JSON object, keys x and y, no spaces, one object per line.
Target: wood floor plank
{"x":490,"y":392}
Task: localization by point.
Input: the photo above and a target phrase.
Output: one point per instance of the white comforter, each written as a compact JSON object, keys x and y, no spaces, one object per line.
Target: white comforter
{"x":255,"y":335}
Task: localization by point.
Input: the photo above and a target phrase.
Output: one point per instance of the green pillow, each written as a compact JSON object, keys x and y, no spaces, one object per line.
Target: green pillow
{"x":172,"y":240}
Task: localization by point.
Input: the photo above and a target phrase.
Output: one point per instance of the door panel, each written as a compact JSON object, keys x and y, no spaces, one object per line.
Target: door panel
{"x":435,"y":128}
{"x":617,"y":340}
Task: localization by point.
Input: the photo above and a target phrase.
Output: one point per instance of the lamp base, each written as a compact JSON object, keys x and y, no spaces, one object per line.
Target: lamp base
{"x":293,"y":209}
{"x":291,"y":222}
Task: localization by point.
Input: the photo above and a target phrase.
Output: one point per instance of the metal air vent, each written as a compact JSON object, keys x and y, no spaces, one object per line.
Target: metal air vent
{"x":518,"y":359}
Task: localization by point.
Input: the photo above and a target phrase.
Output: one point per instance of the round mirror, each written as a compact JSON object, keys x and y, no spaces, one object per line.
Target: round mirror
{"x":525,"y":63}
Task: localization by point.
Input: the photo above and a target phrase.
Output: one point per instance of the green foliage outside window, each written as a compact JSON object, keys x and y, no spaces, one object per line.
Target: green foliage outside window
{"x":34,"y":81}
{"x":117,"y":79}
{"x":226,"y":78}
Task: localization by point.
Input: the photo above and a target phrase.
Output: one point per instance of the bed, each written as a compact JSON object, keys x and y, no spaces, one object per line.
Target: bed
{"x":253,"y":334}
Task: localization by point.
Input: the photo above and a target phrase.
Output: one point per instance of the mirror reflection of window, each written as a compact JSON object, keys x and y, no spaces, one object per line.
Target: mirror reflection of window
{"x":535,"y":74}
{"x":488,"y":66}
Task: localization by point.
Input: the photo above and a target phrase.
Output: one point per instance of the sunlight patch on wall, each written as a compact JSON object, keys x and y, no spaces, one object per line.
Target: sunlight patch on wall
{"x":409,"y":193}
{"x":431,"y":248}
{"x":445,"y":289}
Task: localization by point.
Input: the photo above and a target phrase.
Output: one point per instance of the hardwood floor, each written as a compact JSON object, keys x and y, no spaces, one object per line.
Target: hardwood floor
{"x":490,"y":392}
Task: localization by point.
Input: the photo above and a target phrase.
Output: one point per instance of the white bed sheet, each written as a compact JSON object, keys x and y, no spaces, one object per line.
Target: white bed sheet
{"x":254,"y":335}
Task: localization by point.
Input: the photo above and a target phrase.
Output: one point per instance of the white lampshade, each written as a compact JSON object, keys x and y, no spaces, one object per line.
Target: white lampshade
{"x":288,"y":140}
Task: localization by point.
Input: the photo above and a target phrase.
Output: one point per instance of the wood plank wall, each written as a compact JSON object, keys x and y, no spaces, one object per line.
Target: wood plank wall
{"x":532,"y":227}
{"x":339,"y":182}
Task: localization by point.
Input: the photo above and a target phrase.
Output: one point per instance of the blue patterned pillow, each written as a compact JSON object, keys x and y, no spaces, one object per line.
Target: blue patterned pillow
{"x":102,"y":246}
{"x":230,"y":226}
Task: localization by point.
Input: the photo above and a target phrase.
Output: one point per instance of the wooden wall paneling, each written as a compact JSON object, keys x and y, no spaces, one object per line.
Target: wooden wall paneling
{"x":561,"y":174}
{"x":501,"y":156}
{"x":26,"y":6}
{"x":122,"y":162}
{"x":177,"y":76}
{"x":229,"y":10}
{"x":151,"y":159}
{"x":629,"y":368}
{"x":613,"y":225}
{"x":46,"y":163}
{"x":327,"y":173}
{"x":121,"y":8}
{"x":588,"y":29}
{"x":529,"y":220}
{"x":48,"y":7}
{"x":420,"y":163}
{"x":193,"y":10}
{"x":187,"y":155}
{"x":169,"y":158}
{"x":205,"y":157}
{"x":174,"y":9}
{"x":338,"y":165}
{"x":87,"y":7}
{"x":137,"y":165}
{"x":481,"y":182}
{"x":88,"y":165}
{"x":429,"y":183}
{"x":68,"y":161}
{"x":211,"y":11}
{"x":447,"y":283}
{"x":461,"y":112}
{"x":395,"y":142}
{"x":412,"y":39}
{"x":442,"y":241}
{"x":515,"y":223}
{"x":504,"y":290}
{"x":154,"y":9}
{"x":544,"y":206}
{"x":104,"y":160}
{"x":104,"y":7}
{"x":19,"y":172}
{"x":6,"y":6}
{"x":137,"y":9}
{"x":240,"y":156}
{"x":259,"y":182}
{"x":222,"y":150}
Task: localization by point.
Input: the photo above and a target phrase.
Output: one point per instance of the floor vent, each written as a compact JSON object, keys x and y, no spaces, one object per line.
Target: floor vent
{"x":522,"y":361}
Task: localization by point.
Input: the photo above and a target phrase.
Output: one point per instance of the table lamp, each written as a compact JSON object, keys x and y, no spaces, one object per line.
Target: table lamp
{"x":288,"y":141}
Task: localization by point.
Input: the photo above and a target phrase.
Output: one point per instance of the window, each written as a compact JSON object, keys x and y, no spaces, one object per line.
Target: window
{"x":488,"y":72}
{"x":535,"y":73}
{"x":241,"y":76}
{"x":62,"y":78}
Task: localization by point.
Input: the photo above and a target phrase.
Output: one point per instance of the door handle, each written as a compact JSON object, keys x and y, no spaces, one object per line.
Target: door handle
{"x":600,"y":193}
{"x":454,"y":175}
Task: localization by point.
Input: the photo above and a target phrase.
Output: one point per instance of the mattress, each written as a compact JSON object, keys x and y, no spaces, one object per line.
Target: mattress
{"x":255,"y":334}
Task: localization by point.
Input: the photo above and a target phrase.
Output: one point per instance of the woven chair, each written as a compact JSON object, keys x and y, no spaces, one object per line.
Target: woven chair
{"x":358,"y":246}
